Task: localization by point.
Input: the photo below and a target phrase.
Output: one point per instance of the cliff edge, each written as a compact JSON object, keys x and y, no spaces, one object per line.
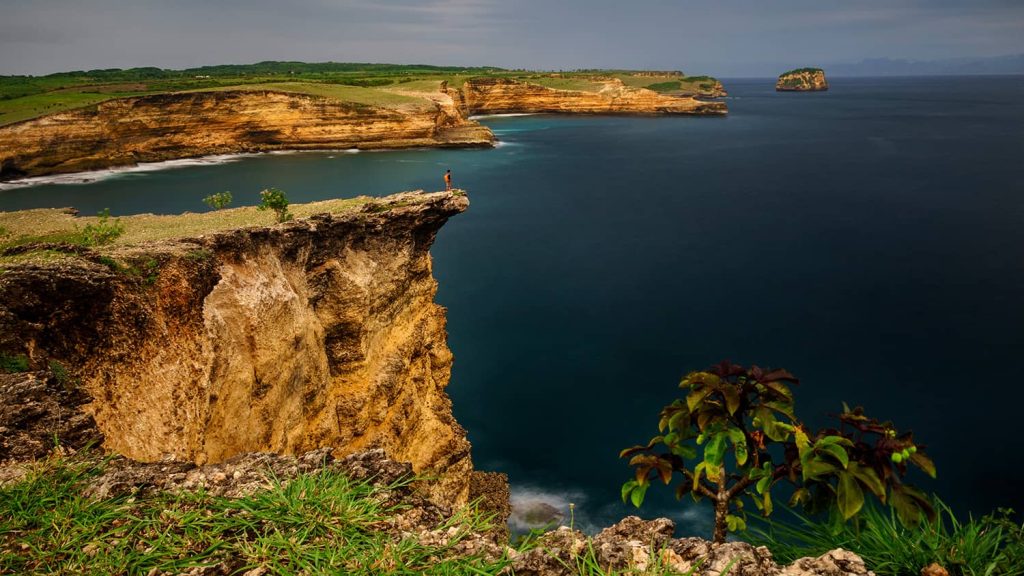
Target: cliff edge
{"x":506,"y":96}
{"x":284,"y":338}
{"x":159,"y":127}
{"x":802,"y":80}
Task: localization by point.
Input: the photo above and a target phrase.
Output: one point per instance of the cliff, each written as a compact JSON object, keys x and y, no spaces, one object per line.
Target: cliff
{"x":179,"y":125}
{"x":802,"y":80}
{"x":318,"y":332}
{"x":504,"y":96}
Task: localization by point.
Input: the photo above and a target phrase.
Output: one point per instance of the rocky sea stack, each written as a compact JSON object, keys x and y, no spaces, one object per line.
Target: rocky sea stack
{"x":802,"y":80}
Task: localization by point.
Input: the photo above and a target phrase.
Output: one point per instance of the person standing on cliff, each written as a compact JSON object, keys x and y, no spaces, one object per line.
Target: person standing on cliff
{"x":448,"y":179}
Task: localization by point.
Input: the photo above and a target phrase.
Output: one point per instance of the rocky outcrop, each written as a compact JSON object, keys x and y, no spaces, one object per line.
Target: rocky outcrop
{"x":317,"y":332}
{"x":648,"y":547}
{"x":506,"y":96}
{"x":179,"y":125}
{"x":802,"y":80}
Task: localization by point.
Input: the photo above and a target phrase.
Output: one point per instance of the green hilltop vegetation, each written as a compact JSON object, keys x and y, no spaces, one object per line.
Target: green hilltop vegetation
{"x":802,"y":71}
{"x":27,"y":97}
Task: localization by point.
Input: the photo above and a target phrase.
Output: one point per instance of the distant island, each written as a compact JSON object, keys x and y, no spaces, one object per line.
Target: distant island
{"x":114,"y":117}
{"x":802,"y":80}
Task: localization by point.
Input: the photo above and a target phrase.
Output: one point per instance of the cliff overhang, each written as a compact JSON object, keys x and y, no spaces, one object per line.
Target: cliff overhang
{"x":285,"y":338}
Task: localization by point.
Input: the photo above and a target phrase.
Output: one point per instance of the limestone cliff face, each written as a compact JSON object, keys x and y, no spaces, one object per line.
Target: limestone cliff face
{"x":504,"y":96}
{"x":168,"y":126}
{"x":319,"y":332}
{"x":802,"y":80}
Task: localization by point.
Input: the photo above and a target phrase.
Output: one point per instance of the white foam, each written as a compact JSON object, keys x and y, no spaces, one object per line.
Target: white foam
{"x":509,"y":115}
{"x":96,"y":175}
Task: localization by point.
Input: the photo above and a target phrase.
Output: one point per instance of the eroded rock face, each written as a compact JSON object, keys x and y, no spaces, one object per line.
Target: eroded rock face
{"x":504,"y":95}
{"x":319,"y":332}
{"x":802,"y":80}
{"x":125,"y":131}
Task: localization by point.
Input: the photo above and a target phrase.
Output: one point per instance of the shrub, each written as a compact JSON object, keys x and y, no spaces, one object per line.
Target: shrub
{"x":276,"y":200}
{"x":104,"y":231}
{"x":15,"y":363}
{"x":748,"y":415}
{"x":219,"y":200}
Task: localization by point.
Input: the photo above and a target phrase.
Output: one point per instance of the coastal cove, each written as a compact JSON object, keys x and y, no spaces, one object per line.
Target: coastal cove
{"x":868,"y":239}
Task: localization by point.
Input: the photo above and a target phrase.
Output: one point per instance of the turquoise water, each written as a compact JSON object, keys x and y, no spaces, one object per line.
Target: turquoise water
{"x":870,"y":239}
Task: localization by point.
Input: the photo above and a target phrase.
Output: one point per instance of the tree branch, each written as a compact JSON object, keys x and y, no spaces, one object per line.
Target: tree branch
{"x":701,"y":488}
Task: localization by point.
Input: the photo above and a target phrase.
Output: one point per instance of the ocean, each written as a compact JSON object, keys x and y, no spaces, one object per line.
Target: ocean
{"x":870,"y":239}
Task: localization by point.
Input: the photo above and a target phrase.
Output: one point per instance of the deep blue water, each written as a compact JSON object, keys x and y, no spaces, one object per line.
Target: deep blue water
{"x":870,"y":239}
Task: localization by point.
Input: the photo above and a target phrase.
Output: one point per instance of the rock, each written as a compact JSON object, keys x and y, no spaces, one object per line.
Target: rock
{"x":319,"y":332}
{"x":506,"y":95}
{"x":934,"y":569}
{"x":837,"y":562}
{"x":641,"y":545}
{"x":40,"y":412}
{"x":124,"y":131}
{"x":802,"y":80}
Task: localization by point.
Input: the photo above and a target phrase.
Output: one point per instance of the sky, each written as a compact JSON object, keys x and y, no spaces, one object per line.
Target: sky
{"x":717,"y":37}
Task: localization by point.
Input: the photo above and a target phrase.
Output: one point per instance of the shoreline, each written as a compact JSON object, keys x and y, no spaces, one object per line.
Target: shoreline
{"x":91,"y":176}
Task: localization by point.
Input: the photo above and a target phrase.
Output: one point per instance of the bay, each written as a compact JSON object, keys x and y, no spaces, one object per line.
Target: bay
{"x":870,"y":239}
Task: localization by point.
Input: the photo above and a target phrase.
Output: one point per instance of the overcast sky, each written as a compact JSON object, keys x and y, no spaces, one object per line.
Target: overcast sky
{"x":719,"y":37}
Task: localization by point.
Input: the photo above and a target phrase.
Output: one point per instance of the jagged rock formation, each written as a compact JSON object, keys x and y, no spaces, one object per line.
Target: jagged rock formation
{"x":506,"y":96}
{"x":317,"y":332}
{"x":181,"y":125}
{"x":802,"y":80}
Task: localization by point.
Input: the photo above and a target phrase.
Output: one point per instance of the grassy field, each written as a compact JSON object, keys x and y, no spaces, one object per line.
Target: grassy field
{"x":55,"y":225}
{"x":316,"y":523}
{"x":27,"y":97}
{"x":356,"y":94}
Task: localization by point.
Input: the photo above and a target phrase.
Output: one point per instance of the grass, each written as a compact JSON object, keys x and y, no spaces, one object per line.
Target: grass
{"x":36,"y":105}
{"x":354,"y":94}
{"x":58,"y":226}
{"x":990,"y":546}
{"x":320,"y":522}
{"x":566,"y":83}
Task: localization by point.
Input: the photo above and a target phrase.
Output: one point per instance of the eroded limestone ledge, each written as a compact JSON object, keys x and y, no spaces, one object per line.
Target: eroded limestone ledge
{"x":318,"y":332}
{"x":159,"y":127}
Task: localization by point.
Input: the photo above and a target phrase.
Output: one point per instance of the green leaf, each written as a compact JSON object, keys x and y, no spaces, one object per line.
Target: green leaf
{"x":697,"y":471}
{"x":627,"y":488}
{"x":924,"y":463}
{"x":869,"y":479}
{"x":779,"y":388}
{"x":836,"y":451}
{"x":814,"y":469}
{"x":849,"y":496}
{"x":907,"y":509}
{"x":800,"y":496}
{"x":768,"y":506}
{"x":693,"y":399}
{"x":763,"y":484}
{"x":714,"y":452}
{"x":833,"y":441}
{"x":685,"y":452}
{"x":739,"y":442}
{"x":735,"y":523}
{"x":637,"y":496}
{"x":770,"y":425}
{"x":732,"y":398}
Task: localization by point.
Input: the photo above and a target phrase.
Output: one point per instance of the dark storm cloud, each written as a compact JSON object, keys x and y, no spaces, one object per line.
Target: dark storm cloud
{"x":725,"y":37}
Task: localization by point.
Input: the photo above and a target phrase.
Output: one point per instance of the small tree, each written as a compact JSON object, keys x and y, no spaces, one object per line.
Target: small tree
{"x":735,"y":436}
{"x":219,"y":200}
{"x":103,"y":231}
{"x":276,"y":200}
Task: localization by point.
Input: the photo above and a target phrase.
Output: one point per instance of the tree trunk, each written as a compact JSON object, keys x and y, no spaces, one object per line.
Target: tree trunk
{"x":721,"y":510}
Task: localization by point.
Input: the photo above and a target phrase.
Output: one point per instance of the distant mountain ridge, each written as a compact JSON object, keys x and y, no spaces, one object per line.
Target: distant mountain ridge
{"x":1009,"y":64}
